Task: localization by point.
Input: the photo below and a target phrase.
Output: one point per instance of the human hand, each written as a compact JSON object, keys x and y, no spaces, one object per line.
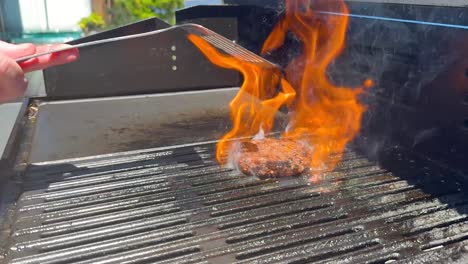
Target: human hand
{"x":12,"y":80}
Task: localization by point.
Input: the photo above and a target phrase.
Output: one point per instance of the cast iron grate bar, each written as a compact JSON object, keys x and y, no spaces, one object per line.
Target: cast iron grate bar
{"x":178,"y":206}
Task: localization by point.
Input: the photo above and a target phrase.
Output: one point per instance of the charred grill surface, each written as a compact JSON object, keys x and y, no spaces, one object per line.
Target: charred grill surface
{"x":178,"y":206}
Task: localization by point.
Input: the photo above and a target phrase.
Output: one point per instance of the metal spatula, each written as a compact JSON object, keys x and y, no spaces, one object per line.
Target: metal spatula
{"x":213,"y":38}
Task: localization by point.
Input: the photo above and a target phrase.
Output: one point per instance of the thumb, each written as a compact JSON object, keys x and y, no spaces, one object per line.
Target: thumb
{"x":17,"y":51}
{"x":12,"y":81}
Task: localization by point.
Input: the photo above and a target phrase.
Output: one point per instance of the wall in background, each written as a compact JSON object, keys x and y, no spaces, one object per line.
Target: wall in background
{"x":45,"y":15}
{"x":65,"y":15}
{"x":11,"y":16}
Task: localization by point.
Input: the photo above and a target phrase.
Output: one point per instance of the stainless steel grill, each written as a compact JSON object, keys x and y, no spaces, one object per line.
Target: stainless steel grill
{"x":176,"y":205}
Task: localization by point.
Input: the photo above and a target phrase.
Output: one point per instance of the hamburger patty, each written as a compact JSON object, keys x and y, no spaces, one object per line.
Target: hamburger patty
{"x":273,"y":158}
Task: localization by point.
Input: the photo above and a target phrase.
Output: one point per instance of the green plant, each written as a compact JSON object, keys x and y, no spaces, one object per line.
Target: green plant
{"x":127,"y":11}
{"x":92,"y":22}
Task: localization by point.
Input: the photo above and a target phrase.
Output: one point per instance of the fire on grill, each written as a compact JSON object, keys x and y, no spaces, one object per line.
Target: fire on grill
{"x":324,"y":116}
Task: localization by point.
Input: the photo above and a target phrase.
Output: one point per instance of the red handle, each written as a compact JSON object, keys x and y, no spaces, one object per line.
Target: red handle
{"x":49,"y":60}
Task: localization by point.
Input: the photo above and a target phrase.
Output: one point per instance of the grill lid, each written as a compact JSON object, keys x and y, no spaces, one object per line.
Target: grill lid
{"x":178,"y":206}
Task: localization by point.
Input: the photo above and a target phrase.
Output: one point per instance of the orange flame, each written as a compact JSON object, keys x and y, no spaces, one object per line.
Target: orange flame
{"x":326,"y":116}
{"x":256,"y":104}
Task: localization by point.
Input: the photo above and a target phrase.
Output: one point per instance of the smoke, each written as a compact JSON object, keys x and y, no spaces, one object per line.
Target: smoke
{"x":234,"y":156}
{"x":424,"y":135}
{"x":409,"y":61}
{"x":260,"y":135}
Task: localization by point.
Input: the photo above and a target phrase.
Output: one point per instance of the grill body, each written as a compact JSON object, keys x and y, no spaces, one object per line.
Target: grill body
{"x":133,"y":179}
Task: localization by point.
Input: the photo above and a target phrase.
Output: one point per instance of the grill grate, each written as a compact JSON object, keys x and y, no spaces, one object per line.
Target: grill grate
{"x":178,"y":206}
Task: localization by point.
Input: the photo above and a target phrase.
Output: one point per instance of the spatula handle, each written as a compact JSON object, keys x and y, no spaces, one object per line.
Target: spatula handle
{"x":93,"y":43}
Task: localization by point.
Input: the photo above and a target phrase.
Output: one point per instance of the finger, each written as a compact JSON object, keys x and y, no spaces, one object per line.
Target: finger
{"x":17,"y":51}
{"x":13,"y":83}
{"x":50,"y":60}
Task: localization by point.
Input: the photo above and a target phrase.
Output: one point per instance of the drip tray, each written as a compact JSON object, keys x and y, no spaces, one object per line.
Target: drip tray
{"x":176,"y":205}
